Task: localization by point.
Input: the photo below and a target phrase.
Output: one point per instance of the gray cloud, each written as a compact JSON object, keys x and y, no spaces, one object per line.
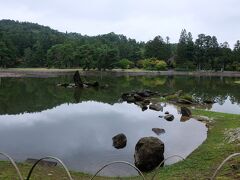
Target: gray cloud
{"x":140,"y":19}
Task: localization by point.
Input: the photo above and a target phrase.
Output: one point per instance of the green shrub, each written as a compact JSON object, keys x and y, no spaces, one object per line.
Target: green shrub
{"x":125,"y":64}
{"x":152,"y":64}
{"x":161,"y":65}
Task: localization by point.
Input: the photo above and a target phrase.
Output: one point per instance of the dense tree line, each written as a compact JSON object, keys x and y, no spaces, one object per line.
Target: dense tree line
{"x":24,"y":44}
{"x":206,"y":53}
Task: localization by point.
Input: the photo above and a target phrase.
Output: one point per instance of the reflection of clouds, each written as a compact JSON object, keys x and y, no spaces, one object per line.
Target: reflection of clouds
{"x":228,"y":107}
{"x":81,"y":134}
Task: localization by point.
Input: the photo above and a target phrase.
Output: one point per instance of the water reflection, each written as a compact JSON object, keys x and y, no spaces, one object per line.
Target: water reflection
{"x":227,"y":106}
{"x":19,"y":95}
{"x":81,"y":134}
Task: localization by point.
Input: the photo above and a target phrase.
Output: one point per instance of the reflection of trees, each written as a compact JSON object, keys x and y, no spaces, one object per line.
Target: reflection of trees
{"x":215,"y":88}
{"x":18,"y":95}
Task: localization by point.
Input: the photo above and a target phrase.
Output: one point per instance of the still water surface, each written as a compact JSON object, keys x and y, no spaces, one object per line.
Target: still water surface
{"x":38,"y":119}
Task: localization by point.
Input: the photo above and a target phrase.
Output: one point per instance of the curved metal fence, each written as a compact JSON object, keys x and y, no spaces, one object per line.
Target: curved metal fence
{"x":111,"y":163}
{"x":14,"y":165}
{"x":221,"y":165}
{"x":50,"y":157}
{"x":119,"y":162}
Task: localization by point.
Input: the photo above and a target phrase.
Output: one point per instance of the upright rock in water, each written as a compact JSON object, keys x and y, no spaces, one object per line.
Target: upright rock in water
{"x":148,"y":153}
{"x":119,"y":141}
{"x":186,"y":112}
{"x":77,"y":79}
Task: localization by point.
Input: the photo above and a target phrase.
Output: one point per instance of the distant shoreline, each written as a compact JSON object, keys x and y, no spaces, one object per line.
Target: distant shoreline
{"x":44,"y":72}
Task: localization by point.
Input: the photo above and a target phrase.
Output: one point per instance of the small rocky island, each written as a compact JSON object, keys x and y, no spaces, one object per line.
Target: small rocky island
{"x":79,"y":83}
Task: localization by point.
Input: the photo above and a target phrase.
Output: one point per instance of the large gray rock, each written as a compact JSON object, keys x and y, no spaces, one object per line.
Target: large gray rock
{"x":119,"y":141}
{"x":148,"y":153}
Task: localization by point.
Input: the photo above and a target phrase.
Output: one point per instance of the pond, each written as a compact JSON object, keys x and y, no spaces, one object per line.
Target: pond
{"x":37,"y":118}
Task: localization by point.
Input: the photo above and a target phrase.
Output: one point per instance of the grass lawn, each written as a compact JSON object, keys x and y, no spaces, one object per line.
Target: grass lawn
{"x":201,"y":164}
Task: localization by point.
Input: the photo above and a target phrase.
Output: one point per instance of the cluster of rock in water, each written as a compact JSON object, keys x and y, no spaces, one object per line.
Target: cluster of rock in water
{"x":144,"y":99}
{"x":149,"y":151}
{"x":78,"y":83}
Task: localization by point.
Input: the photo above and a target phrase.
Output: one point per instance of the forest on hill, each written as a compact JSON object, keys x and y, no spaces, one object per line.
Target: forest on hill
{"x":24,"y":44}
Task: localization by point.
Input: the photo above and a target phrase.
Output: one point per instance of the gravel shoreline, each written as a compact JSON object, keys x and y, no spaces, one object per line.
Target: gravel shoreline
{"x":60,"y":72}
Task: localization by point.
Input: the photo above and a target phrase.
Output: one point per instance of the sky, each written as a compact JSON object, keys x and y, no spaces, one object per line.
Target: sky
{"x":139,"y":19}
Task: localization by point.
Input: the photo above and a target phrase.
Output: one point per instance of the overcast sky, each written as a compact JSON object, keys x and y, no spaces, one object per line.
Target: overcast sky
{"x":139,"y":19}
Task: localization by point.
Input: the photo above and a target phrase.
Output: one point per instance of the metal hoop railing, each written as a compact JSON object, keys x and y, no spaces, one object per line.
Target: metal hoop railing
{"x":221,"y":165}
{"x":13,"y":163}
{"x":119,"y":162}
{"x":49,"y":157}
{"x":165,"y":161}
{"x":114,"y":162}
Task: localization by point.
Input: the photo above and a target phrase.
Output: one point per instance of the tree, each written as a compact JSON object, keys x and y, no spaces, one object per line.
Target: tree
{"x":225,"y":56}
{"x":185,"y":50}
{"x":157,"y":48}
{"x":236,"y":57}
{"x":206,"y":51}
{"x":28,"y":57}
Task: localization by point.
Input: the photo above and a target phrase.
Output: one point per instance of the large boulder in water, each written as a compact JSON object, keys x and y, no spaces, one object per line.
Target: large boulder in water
{"x":148,"y":153}
{"x":119,"y":141}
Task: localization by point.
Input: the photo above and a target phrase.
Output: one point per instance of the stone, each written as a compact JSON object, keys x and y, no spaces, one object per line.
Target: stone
{"x":158,"y":131}
{"x":130,"y":99}
{"x":144,"y":108}
{"x":184,"y":118}
{"x":156,"y":107}
{"x":146,"y":101}
{"x":124,"y":96}
{"x":141,"y":105}
{"x":184,"y":101}
{"x":169,"y":117}
{"x":186,"y":112}
{"x":143,"y":94}
{"x":209,"y":101}
{"x":119,"y":141}
{"x":77,"y":79}
{"x":166,"y":112}
{"x":149,"y":153}
{"x":138,"y":97}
